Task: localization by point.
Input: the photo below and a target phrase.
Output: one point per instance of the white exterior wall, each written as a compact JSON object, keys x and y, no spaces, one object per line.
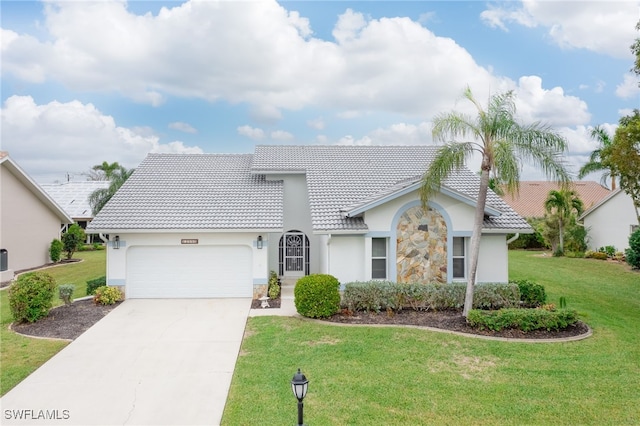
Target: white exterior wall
{"x":297,"y":215}
{"x":346,"y":258}
{"x":27,"y":226}
{"x":610,"y":223}
{"x":493,"y":263}
{"x":117,"y":258}
{"x":381,"y":220}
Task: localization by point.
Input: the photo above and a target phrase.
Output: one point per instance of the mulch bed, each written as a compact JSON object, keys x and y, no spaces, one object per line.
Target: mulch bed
{"x":449,"y":320}
{"x":66,"y":322}
{"x":273,"y":303}
{"x":69,"y":322}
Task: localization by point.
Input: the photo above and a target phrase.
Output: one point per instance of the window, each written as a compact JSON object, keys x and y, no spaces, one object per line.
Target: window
{"x":378,"y":258}
{"x":459,"y":260}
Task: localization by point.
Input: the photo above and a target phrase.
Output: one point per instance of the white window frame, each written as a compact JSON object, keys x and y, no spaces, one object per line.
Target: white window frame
{"x":463,"y":257}
{"x":386,"y":258}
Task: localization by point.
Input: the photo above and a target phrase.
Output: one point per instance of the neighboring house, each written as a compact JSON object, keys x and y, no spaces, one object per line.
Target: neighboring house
{"x":73,"y":197}
{"x":29,"y":219}
{"x":529,"y":201}
{"x":611,"y":221}
{"x":214,"y":225}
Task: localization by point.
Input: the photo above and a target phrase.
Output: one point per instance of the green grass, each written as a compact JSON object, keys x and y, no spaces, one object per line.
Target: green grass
{"x":20,"y":356}
{"x":408,"y":376}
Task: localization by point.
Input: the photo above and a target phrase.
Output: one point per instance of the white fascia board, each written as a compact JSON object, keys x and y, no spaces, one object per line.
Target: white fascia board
{"x":182,"y":231}
{"x":342,"y":232}
{"x":37,"y":190}
{"x":507,"y":231}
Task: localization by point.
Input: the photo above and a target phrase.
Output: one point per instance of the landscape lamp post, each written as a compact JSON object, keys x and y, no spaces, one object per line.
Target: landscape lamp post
{"x":299,"y":385}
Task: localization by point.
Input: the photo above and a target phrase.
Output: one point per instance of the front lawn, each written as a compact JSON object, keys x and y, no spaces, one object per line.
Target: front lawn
{"x":408,"y":376}
{"x":20,"y":356}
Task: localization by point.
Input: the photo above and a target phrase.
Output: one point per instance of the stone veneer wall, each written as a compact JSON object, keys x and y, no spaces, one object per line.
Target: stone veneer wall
{"x":421,"y":254}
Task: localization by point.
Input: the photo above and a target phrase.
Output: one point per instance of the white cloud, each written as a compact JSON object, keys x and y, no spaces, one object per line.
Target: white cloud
{"x":268,"y":59}
{"x":251,"y":132}
{"x":281,"y":136}
{"x":629,"y":87}
{"x":76,"y":135}
{"x":183,"y":127}
{"x":553,"y":107}
{"x":606,"y":27}
{"x":316,"y":123}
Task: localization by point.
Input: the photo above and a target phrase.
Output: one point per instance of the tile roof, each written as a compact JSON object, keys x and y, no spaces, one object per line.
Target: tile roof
{"x":194,"y":192}
{"x":73,"y":197}
{"x":529,"y":202}
{"x":339,"y":177}
{"x":229,"y":191}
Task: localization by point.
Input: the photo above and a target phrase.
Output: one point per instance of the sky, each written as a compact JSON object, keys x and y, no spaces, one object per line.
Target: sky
{"x":84,"y":82}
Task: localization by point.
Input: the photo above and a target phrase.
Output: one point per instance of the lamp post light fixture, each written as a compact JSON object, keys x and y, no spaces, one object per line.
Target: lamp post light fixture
{"x":116,"y":242}
{"x":259,"y":243}
{"x":299,"y":385}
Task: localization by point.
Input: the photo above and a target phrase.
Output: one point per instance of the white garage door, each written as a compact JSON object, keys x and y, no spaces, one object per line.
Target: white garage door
{"x":189,"y":271}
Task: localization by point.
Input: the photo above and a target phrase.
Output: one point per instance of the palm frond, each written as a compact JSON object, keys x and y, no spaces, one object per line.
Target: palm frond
{"x":448,"y":158}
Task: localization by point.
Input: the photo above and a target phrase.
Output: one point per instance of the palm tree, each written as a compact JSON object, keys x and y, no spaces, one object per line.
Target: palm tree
{"x":503,"y":143}
{"x":563,"y":202}
{"x":100,"y":197}
{"x":595,"y":159}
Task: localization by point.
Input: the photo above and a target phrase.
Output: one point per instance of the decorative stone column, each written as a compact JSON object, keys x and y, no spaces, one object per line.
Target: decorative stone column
{"x":421,"y":254}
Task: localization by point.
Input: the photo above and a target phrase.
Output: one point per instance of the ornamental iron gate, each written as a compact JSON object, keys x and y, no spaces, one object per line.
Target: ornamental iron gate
{"x":294,"y":254}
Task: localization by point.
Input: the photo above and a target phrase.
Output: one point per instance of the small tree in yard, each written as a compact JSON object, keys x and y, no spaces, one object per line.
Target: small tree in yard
{"x":55,"y":250}
{"x":503,"y":144}
{"x":72,"y":239}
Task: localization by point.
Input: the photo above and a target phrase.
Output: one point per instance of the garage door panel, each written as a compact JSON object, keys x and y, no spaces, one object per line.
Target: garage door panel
{"x":189,"y":271}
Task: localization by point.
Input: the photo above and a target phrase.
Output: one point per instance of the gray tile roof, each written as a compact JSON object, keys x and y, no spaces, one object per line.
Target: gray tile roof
{"x":194,"y":192}
{"x":229,"y":191}
{"x":73,"y":197}
{"x":340,"y":177}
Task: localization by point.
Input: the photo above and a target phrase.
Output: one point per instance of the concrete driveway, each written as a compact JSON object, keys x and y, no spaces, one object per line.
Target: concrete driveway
{"x":149,"y":362}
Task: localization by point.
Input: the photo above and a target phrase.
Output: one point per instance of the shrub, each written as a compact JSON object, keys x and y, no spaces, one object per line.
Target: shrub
{"x":55,"y":250}
{"x":633,"y":252}
{"x":73,"y":239}
{"x":65,"y":291}
{"x":523,"y":319}
{"x":384,"y":295}
{"x":107,"y":295}
{"x":274,"y":285}
{"x":30,"y":297}
{"x":317,"y":296}
{"x":596,"y":255}
{"x":532,"y":294}
{"x":92,"y":285}
{"x":610,"y":251}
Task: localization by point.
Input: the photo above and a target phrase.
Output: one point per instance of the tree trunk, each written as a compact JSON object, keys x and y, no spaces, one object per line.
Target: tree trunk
{"x":561,"y":236}
{"x":475,"y":238}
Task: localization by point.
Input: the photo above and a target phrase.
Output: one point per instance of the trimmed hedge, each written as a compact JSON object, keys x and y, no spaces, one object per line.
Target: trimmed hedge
{"x":523,"y":319}
{"x":317,"y":296}
{"x":384,"y":295}
{"x":92,"y":285}
{"x":532,"y":294}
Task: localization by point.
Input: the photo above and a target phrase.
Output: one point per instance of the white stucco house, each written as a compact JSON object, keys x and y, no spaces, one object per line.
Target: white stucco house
{"x":611,"y":221}
{"x":214,"y":225}
{"x":29,"y":220}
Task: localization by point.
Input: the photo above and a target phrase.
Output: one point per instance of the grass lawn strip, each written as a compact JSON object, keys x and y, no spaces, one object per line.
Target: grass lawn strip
{"x":401,"y":376}
{"x":19,"y":355}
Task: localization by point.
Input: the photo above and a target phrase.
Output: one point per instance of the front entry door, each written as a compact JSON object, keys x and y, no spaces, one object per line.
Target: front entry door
{"x":294,"y":254}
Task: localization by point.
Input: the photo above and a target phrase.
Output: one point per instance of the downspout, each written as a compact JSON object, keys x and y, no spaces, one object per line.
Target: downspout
{"x":512,"y":239}
{"x":329,"y":255}
{"x":103,"y":238}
